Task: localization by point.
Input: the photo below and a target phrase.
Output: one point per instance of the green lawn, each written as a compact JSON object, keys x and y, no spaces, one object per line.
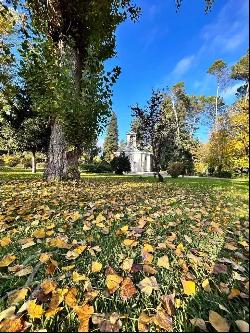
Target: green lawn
{"x":198,"y":224}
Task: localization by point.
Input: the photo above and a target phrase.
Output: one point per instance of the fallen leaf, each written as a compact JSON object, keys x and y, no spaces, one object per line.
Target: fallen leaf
{"x":25,"y":271}
{"x":39,"y":233}
{"x":48,"y":286}
{"x":52,"y":312}
{"x":84,"y":313}
{"x":127,"y":264}
{"x":34,"y":310}
{"x":7,"y":260}
{"x":148,"y":284}
{"x":17,"y":296}
{"x":96,"y":267}
{"x":206,"y":285}
{"x":199,"y":322}
{"x":189,"y":287}
{"x":218,"y":322}
{"x":130,"y":242}
{"x":76,"y":277}
{"x":14,"y":324}
{"x":163,"y":262}
{"x":168,"y":303}
{"x":143,"y":322}
{"x":127,"y":289}
{"x":5,"y":241}
{"x":163,"y":320}
{"x":234,"y":293}
{"x":70,"y":298}
{"x":113,"y":282}
{"x":148,"y":248}
{"x":242,"y":325}
{"x":7,"y":313}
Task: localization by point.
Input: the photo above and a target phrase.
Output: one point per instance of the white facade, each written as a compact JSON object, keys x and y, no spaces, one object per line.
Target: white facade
{"x":141,"y":161}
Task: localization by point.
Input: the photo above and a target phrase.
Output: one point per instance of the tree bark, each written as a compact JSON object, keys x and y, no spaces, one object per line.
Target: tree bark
{"x":33,"y":158}
{"x":62,"y":164}
{"x":57,"y":156}
{"x":216,"y":107}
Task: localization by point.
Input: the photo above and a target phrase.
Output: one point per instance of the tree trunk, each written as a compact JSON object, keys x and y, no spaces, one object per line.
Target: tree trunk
{"x":57,"y":156}
{"x":216,"y":107}
{"x":33,"y":161}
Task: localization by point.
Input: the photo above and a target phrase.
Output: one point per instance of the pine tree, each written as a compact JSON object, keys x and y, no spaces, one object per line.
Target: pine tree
{"x":111,"y":140}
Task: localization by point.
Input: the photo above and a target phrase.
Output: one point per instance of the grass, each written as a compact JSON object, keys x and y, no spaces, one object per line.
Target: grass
{"x":205,"y":215}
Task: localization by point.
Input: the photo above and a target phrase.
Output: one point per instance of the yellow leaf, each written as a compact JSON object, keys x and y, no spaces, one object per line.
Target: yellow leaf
{"x":52,"y":312}
{"x":206,"y":285}
{"x":127,"y":264}
{"x":84,"y":313}
{"x":44,"y":257}
{"x":39,"y":233}
{"x":14,"y":324}
{"x":143,"y":322}
{"x":100,"y":218}
{"x":59,"y":243}
{"x":17,"y":296}
{"x":7,"y":313}
{"x":96,"y":267}
{"x":57,"y":298}
{"x":189,"y":287}
{"x":112,"y":282}
{"x":25,"y":271}
{"x":34,"y":310}
{"x":218,"y":322}
{"x":7,"y":260}
{"x":163,"y":262}
{"x":148,"y":284}
{"x":70,"y":298}
{"x":67,"y":268}
{"x":234,"y":293}
{"x":163,"y":320}
{"x":124,"y":229}
{"x":5,"y":241}
{"x":130,"y":242}
{"x":48,"y":286}
{"x":148,"y":248}
{"x":76,"y":277}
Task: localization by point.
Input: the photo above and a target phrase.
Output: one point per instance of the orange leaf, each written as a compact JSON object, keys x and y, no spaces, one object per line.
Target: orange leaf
{"x":128,"y":289}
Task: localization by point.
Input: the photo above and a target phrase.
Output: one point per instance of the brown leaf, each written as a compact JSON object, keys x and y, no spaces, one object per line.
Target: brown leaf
{"x":143,"y":322}
{"x":168,"y":303}
{"x":218,"y":322}
{"x":14,"y":324}
{"x":163,"y":320}
{"x":128,"y":289}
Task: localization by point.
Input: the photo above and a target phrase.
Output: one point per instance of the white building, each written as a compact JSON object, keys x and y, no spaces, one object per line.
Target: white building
{"x":141,"y":161}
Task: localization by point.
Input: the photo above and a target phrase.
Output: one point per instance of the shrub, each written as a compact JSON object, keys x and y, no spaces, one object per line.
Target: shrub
{"x":175,"y":169}
{"x":26,"y":161}
{"x":102,"y":167}
{"x":11,"y":160}
{"x":120,"y":164}
{"x":1,"y":161}
{"x":223,"y":174}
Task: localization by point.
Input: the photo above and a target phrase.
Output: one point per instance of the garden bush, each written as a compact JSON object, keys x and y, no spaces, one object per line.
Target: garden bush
{"x":175,"y":169}
{"x":11,"y":160}
{"x":120,"y":164}
{"x":101,"y":167}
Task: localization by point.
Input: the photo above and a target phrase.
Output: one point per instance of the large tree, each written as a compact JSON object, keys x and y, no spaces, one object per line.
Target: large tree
{"x":240,"y":71}
{"x":111,"y":141}
{"x":220,"y":70}
{"x":75,"y":37}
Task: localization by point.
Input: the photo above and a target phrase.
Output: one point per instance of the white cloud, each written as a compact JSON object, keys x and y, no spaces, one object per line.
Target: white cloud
{"x":229,"y":30}
{"x":230,"y":92}
{"x":183,"y":66}
{"x":100,"y":142}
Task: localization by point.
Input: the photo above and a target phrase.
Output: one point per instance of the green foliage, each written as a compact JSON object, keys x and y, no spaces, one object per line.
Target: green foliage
{"x":175,"y":169}
{"x":101,"y":167}
{"x":111,"y":141}
{"x":240,"y":71}
{"x":11,"y":160}
{"x":120,"y":164}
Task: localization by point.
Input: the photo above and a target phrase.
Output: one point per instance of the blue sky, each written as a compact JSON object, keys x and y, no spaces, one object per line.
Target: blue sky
{"x":165,"y":47}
